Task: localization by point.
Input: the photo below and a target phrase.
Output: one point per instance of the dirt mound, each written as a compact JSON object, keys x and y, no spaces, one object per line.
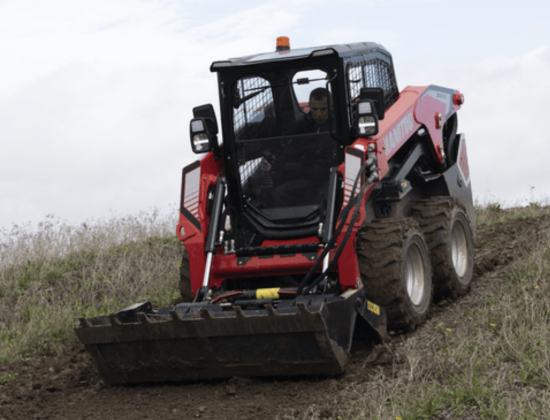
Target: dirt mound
{"x":500,"y":244}
{"x":68,"y":386}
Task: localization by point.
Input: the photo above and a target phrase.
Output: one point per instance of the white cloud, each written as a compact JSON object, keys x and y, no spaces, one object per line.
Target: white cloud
{"x":96,"y":96}
{"x":509,"y":115}
{"x":504,"y":118}
{"x":95,"y":106}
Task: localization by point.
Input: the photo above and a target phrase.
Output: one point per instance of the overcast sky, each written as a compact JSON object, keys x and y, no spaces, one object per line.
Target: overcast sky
{"x":96,"y":96}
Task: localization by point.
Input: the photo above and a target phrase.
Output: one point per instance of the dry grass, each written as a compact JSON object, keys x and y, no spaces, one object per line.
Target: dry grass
{"x":493,"y":212}
{"x":488,"y":359}
{"x":56,"y":272}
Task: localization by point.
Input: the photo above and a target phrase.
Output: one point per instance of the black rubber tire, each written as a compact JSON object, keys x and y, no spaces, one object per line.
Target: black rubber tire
{"x":450,"y":240}
{"x":185,"y":278}
{"x":395,"y":270}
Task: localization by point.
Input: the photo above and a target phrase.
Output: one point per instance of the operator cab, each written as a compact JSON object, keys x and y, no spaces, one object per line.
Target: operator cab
{"x":283,"y":154}
{"x":287,"y":118}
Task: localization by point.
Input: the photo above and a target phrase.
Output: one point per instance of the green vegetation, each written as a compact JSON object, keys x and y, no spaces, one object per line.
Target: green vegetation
{"x":6,"y":378}
{"x":86,"y":271}
{"x":490,"y":360}
{"x":493,"y":213}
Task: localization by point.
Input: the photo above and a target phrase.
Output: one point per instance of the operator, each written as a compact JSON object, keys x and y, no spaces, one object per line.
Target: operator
{"x":307,"y":158}
{"x":316,"y":120}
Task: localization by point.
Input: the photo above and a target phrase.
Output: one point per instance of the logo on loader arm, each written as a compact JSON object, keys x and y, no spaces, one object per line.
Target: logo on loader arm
{"x":401,"y":132}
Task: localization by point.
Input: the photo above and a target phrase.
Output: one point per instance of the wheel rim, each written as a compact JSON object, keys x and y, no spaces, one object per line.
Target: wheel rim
{"x":415,"y":273}
{"x":459,"y":249}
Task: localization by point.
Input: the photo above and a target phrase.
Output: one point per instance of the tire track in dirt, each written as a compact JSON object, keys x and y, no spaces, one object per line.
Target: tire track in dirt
{"x":68,"y":386}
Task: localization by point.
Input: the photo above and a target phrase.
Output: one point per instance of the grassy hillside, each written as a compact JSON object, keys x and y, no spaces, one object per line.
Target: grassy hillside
{"x":55,"y":273}
{"x":490,"y":361}
{"x":484,"y":357}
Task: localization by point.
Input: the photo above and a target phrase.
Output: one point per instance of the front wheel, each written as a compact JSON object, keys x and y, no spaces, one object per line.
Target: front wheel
{"x":395,"y":270}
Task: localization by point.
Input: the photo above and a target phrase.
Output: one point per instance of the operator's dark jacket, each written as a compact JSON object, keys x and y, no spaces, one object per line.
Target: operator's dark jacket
{"x":308,"y":126}
{"x":307,"y":162}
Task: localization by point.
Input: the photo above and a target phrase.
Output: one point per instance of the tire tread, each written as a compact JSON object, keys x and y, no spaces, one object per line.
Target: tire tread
{"x":380,"y":255}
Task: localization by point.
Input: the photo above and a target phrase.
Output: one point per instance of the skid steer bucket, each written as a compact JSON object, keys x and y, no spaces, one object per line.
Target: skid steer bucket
{"x":308,"y":335}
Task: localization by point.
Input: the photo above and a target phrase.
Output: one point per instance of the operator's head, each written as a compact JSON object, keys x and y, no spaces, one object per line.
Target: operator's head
{"x":318,"y":105}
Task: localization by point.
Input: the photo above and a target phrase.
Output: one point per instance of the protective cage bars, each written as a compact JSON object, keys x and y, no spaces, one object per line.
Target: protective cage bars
{"x":253,"y":109}
{"x":374,"y":73}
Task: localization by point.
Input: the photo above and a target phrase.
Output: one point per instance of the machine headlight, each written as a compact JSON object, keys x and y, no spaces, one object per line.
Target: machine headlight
{"x":367,"y":125}
{"x":197,"y":126}
{"x":367,"y":120}
{"x":201,"y":143}
{"x":364,"y":108}
{"x":201,"y":139}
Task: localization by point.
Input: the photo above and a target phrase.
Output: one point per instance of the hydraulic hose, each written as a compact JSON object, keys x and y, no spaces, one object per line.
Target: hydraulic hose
{"x":354,"y":202}
{"x":342,"y":245}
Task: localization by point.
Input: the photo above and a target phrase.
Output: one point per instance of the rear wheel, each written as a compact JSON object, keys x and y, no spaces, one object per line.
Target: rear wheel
{"x":449,"y":236}
{"x":395,"y":270}
{"x":185,"y":278}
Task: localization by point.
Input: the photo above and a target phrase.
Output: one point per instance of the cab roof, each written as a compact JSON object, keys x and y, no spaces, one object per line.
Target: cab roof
{"x":342,"y":50}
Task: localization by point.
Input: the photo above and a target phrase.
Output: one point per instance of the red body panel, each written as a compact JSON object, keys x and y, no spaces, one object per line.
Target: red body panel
{"x":226,"y":266}
{"x":414,"y":108}
{"x":192,"y":237}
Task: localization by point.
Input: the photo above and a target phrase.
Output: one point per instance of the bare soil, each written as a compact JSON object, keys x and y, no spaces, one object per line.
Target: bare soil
{"x":68,"y":386}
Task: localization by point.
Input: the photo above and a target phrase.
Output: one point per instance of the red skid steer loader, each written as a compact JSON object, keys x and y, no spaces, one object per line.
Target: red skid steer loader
{"x":336,"y":206}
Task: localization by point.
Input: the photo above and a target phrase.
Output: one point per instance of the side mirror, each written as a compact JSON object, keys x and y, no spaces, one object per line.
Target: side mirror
{"x":376,"y":95}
